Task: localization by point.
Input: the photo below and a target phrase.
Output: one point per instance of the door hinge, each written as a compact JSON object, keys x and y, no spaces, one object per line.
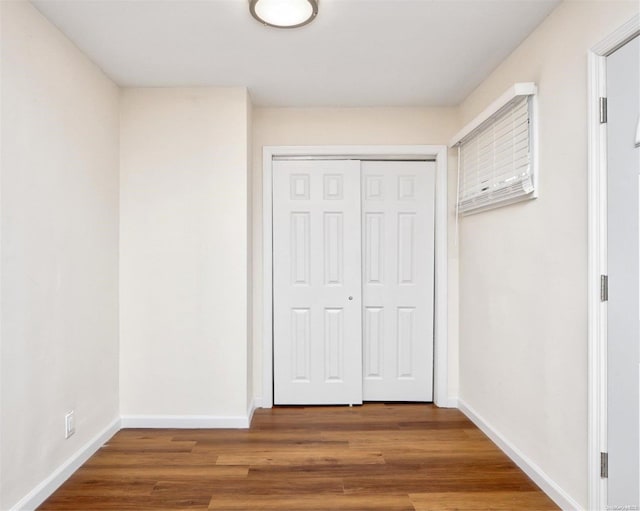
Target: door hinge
{"x":604,"y":464}
{"x":603,"y":110}
{"x":604,"y":288}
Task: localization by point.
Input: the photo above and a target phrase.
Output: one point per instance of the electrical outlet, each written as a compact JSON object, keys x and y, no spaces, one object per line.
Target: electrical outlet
{"x":69,"y":424}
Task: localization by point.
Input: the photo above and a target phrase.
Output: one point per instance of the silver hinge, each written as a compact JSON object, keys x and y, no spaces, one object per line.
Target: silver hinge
{"x":604,"y":288}
{"x":603,"y":110}
{"x":604,"y":464}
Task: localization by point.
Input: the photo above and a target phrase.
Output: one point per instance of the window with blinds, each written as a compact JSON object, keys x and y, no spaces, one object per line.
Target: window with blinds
{"x":495,"y":158}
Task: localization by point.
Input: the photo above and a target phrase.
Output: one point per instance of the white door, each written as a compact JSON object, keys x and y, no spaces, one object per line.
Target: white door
{"x":317,"y":329}
{"x":398,"y":273}
{"x":623,"y":311}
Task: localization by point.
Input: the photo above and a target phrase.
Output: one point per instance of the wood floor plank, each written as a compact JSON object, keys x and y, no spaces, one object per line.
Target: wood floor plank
{"x":117,"y":488}
{"x":125,"y":459}
{"x":378,"y":456}
{"x":429,"y":481}
{"x":225,"y":446}
{"x":253,"y":486}
{"x":482,"y":501}
{"x":303,"y":456}
{"x":157,"y":472}
{"x":130,"y":503}
{"x":394,"y":437}
{"x":148,"y":445}
{"x":319,"y":502}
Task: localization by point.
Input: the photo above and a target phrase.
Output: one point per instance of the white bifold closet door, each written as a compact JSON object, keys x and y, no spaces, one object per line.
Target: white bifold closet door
{"x":398,"y":245}
{"x":353,"y":266}
{"x":317,"y":326}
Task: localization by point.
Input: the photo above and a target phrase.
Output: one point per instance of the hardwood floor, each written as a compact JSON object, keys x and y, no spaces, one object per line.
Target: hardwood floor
{"x":373,"y":457}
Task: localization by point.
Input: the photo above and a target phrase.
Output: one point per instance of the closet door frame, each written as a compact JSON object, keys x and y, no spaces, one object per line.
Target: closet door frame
{"x":437,"y":153}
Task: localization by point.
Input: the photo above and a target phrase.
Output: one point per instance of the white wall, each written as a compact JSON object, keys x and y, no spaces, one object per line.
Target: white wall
{"x":523,"y":268}
{"x":59,"y":249}
{"x":351,"y":126}
{"x":184,"y":252}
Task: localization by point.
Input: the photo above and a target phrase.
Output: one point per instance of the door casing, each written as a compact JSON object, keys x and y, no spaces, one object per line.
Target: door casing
{"x":437,"y":153}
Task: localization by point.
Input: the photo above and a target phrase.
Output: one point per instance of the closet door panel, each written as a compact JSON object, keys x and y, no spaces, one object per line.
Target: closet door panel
{"x":398,"y":278}
{"x":316,"y":282}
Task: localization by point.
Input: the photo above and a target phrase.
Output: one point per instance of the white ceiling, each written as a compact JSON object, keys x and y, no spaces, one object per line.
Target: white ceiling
{"x":356,"y":53}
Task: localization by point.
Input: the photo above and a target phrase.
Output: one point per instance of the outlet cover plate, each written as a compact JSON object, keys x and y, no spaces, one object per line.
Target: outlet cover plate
{"x":69,"y":424}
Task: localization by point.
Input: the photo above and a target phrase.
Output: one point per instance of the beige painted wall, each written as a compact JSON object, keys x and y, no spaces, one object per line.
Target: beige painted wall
{"x":350,"y":126}
{"x":523,"y":268}
{"x":59,"y":213}
{"x":184,"y":230}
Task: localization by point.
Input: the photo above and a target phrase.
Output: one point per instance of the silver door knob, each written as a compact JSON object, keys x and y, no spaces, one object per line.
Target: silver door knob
{"x":351,"y":298}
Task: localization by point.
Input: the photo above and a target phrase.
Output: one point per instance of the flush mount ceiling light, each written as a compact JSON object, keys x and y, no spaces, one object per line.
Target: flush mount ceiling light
{"x":284,"y":13}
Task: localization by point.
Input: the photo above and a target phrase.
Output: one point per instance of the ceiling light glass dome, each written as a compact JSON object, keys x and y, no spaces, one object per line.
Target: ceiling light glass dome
{"x":284,"y":13}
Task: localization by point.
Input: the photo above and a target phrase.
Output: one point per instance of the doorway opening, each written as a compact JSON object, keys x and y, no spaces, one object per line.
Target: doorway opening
{"x":437,"y":154}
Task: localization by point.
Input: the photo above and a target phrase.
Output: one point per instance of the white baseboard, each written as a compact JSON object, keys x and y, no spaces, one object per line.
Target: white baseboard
{"x":252,"y":408}
{"x":255,"y":404}
{"x":546,"y":484}
{"x":44,"y":490}
{"x":186,"y":421}
{"x":452,"y":402}
{"x":449,"y":402}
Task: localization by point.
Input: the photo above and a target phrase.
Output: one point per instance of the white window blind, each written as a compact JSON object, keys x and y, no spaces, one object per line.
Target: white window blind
{"x":496,"y":158}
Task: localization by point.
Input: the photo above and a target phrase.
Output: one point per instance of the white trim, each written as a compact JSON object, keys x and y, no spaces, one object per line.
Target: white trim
{"x":597,"y":265}
{"x":267,"y":277}
{"x":441,"y":282}
{"x":452,"y":402}
{"x":515,"y":91}
{"x":546,"y":484}
{"x":597,"y":259}
{"x":618,"y":38}
{"x":253,"y":406}
{"x":257,"y":403}
{"x":44,"y":490}
{"x":186,"y":421}
{"x":437,"y":152}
